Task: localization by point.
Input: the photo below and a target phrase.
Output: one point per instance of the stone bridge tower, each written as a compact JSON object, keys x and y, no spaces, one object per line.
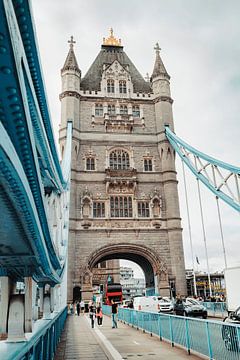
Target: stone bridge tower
{"x":124,"y":197}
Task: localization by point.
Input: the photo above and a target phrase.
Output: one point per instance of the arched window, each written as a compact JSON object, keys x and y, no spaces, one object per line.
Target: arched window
{"x":148,"y":165}
{"x":90,"y":163}
{"x":122,"y":87}
{"x":98,"y":110}
{"x":98,"y":209}
{"x":121,"y":206}
{"x":119,"y":160}
{"x":136,"y":111}
{"x":111,"y":110}
{"x":110,"y":86}
{"x":143,"y":209}
{"x":123,"y":110}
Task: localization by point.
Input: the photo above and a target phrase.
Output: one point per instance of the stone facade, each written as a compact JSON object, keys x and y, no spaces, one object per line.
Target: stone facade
{"x":124,"y":197}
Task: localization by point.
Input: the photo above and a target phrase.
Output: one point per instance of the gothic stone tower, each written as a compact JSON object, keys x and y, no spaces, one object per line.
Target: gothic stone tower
{"x":124,"y":197}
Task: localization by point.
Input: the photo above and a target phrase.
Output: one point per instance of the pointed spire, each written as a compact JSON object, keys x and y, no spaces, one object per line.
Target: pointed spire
{"x":71,"y":61}
{"x":159,"y":68}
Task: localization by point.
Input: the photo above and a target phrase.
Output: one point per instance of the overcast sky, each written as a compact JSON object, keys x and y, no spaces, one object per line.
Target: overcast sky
{"x":201,"y":51}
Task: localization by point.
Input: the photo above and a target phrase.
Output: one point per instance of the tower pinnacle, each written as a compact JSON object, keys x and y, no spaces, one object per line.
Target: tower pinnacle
{"x":159,"y":68}
{"x":111,"y":40}
{"x":71,"y":61}
{"x":71,"y":42}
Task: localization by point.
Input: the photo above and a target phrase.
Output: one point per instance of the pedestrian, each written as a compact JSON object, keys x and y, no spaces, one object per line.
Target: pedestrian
{"x":82,"y":306}
{"x":71,"y":308}
{"x":92,"y":313}
{"x":99,"y":315}
{"x":78,"y":308}
{"x":114,"y":314}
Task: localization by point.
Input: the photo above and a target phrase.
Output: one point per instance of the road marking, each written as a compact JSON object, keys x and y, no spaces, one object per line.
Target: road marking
{"x":135,"y":342}
{"x":110,"y":348}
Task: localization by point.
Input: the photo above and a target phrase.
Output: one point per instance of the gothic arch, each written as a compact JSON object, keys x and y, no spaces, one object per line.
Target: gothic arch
{"x":134,"y":252}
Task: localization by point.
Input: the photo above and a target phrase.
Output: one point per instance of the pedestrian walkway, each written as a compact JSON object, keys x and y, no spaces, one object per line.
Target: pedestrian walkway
{"x":79,"y":341}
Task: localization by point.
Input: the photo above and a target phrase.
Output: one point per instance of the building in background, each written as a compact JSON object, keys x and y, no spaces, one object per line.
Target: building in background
{"x":131,"y":286}
{"x":217,"y":283}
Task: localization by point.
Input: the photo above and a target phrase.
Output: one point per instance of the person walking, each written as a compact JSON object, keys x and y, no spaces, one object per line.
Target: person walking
{"x":92,"y":313}
{"x":114,"y":314}
{"x":71,"y":308}
{"x":99,"y":315}
{"x":78,"y":308}
{"x":82,"y":306}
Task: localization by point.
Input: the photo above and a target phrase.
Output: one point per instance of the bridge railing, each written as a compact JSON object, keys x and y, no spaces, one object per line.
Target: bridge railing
{"x":41,"y":344}
{"x":214,"y":339}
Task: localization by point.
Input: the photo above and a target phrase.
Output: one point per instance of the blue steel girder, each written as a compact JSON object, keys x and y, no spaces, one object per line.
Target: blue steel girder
{"x":23,"y":249}
{"x":221,"y":178}
{"x":24,"y":116}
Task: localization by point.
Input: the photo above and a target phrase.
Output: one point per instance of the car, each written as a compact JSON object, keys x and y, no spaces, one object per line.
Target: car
{"x":190,"y":307}
{"x":230,"y":331}
{"x":126,"y":303}
{"x":165,"y":305}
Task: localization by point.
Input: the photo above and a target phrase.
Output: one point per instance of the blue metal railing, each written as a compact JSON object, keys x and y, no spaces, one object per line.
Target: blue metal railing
{"x":43,"y":341}
{"x":214,"y":339}
{"x":216,"y":309}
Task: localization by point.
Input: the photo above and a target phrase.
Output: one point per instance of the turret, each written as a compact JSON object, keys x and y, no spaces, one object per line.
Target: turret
{"x":160,"y":81}
{"x":70,"y":96}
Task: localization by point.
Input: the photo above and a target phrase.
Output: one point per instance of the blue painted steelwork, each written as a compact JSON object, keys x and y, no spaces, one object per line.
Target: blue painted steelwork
{"x":42,"y":343}
{"x":221,"y":178}
{"x":30,"y":171}
{"x":214,"y":339}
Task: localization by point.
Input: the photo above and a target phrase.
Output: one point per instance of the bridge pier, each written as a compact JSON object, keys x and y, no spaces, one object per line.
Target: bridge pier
{"x":6,"y":287}
{"x":28,"y":304}
{"x":41,"y":297}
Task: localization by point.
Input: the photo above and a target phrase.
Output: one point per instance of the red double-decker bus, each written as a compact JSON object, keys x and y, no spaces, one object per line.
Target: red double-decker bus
{"x":113,"y":292}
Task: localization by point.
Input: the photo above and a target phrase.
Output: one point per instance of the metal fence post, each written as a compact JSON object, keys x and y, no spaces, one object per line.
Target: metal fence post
{"x":187,"y":336}
{"x":209,"y":342}
{"x":171,"y":329}
{"x":159,"y":327}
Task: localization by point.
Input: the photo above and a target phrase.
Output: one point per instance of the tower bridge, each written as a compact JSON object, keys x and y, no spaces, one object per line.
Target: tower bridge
{"x":113,"y":196}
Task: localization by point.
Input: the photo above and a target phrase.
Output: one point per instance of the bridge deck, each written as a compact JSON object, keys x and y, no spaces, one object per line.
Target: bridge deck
{"x":79,"y":341}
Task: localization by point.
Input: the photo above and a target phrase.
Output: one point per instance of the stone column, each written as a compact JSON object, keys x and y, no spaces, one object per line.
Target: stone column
{"x":52,"y":298}
{"x":5,"y":292}
{"x":41,"y":294}
{"x":28,"y":304}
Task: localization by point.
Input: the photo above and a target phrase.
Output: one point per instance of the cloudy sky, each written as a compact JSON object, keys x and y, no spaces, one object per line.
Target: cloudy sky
{"x":201,"y":51}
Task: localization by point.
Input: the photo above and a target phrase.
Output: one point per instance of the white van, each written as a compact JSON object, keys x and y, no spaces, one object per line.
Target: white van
{"x":153,"y":304}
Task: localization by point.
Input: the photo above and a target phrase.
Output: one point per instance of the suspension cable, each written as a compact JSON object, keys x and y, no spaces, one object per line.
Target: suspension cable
{"x":189,"y":229}
{"x":219,"y":219}
{"x":204,"y":234}
{"x":221,"y":232}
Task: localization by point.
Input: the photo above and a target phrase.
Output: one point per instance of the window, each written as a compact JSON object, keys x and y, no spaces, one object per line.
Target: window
{"x":111,"y":110}
{"x":98,"y":209}
{"x":110,"y":86}
{"x":123,"y":110}
{"x":148,"y":165}
{"x":122,"y":87}
{"x":119,"y":160}
{"x":136,"y":111}
{"x":143,"y":209}
{"x":90,"y":164}
{"x":103,"y":264}
{"x":121,"y":206}
{"x":98,"y":110}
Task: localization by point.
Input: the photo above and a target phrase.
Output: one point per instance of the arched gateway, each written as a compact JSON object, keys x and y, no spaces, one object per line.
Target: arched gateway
{"x":124,"y":199}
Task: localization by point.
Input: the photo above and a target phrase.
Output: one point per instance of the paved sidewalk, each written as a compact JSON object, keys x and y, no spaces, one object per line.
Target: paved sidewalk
{"x":79,"y":341}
